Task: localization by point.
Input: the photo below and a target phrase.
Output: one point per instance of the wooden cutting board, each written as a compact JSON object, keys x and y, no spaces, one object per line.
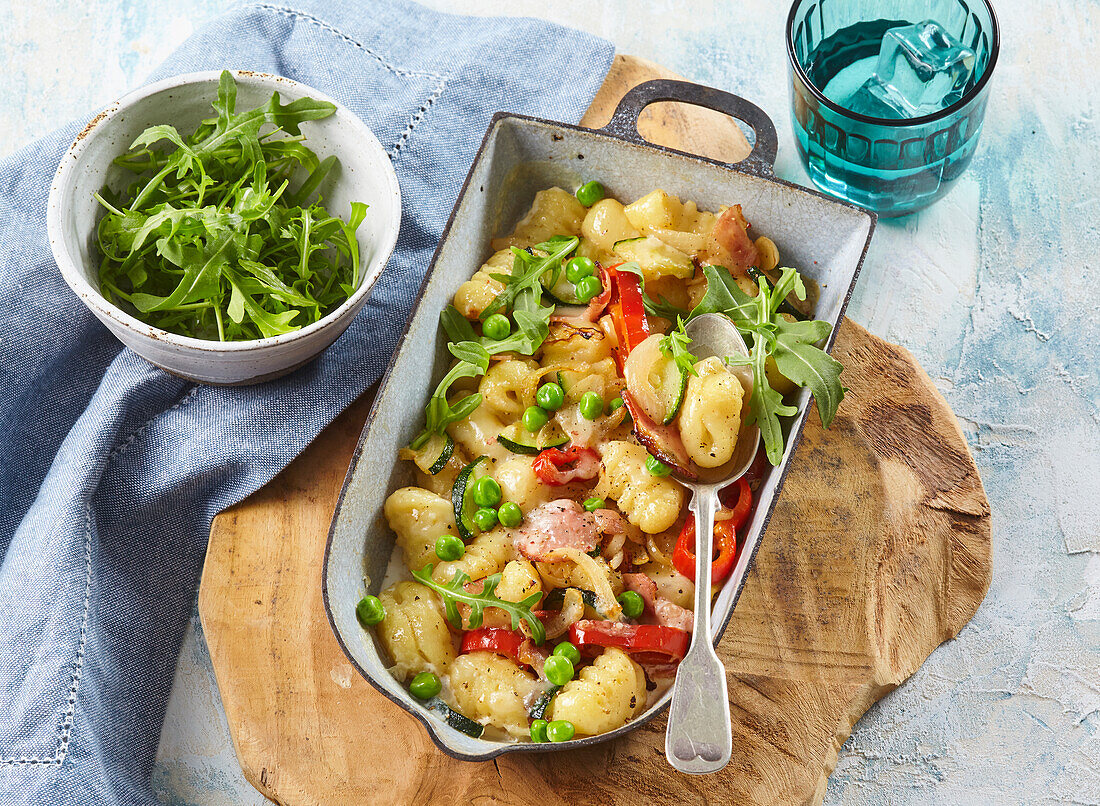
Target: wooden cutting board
{"x":878,"y":551}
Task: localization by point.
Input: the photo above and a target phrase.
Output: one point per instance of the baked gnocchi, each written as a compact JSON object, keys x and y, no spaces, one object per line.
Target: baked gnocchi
{"x":544,"y":583}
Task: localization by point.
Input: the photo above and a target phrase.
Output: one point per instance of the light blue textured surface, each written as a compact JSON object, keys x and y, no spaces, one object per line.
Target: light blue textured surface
{"x":994,"y":289}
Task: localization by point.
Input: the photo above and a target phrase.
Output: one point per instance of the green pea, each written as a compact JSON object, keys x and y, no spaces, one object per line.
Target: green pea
{"x":534,"y":418}
{"x":510,"y":514}
{"x":370,"y":610}
{"x":567,"y":650}
{"x":558,"y":669}
{"x":486,"y":492}
{"x":590,"y":192}
{"x":632,"y":603}
{"x":538,"y":730}
{"x":656,"y":467}
{"x":587,"y":288}
{"x":579,"y":267}
{"x":496,"y":327}
{"x":615,"y":405}
{"x":449,"y":548}
{"x":592,"y":504}
{"x":591,"y":405}
{"x":425,"y":686}
{"x":550,"y":396}
{"x":560,"y":730}
{"x":485,"y":518}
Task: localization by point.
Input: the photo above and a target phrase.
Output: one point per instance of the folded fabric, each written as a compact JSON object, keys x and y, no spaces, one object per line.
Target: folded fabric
{"x":111,"y":469}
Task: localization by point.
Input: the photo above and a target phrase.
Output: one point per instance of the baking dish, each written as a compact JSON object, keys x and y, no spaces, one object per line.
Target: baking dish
{"x":825,"y":239}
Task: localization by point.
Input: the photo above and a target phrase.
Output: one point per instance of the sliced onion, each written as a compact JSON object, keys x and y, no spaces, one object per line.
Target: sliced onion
{"x":572,"y":611}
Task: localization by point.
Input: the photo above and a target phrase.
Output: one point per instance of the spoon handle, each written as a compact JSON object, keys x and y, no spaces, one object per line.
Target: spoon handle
{"x":698,"y":738}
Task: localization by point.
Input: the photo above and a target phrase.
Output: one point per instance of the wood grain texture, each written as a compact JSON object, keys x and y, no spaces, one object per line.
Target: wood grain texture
{"x":878,"y":551}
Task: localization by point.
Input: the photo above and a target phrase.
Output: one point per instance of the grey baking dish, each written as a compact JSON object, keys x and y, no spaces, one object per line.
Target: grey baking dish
{"x":824,"y":238}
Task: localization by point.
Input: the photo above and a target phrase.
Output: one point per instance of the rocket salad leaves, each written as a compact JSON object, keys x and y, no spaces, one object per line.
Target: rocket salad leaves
{"x":209,"y":239}
{"x":791,"y":344}
{"x":522,"y":298}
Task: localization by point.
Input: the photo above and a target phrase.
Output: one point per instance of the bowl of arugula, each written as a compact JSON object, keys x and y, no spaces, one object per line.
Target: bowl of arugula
{"x":225,"y":226}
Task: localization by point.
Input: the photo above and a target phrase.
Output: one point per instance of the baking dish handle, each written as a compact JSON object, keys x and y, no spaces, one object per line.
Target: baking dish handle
{"x":624,"y":123}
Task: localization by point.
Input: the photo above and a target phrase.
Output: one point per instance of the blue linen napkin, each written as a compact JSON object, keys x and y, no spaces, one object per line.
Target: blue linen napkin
{"x":111,"y":469}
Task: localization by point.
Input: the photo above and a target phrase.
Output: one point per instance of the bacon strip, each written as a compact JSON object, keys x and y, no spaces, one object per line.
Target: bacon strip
{"x":556,"y":525}
{"x":731,"y":233}
{"x":663,"y":441}
{"x":667,"y":613}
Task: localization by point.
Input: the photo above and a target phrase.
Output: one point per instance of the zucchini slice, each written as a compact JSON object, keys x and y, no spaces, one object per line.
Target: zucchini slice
{"x":556,"y":598}
{"x":655,"y":381}
{"x":516,"y":439}
{"x":538,"y":710}
{"x":442,"y":447}
{"x":559,"y":288}
{"x":674,"y":381}
{"x":454,"y":718}
{"x":463,"y":501}
{"x":655,"y":257}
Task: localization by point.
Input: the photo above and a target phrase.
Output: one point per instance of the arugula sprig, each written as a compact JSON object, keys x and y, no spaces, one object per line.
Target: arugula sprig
{"x":454,"y":592}
{"x":472,"y":361}
{"x":522,"y":297}
{"x":791,"y":344}
{"x":215,"y":236}
{"x":675,"y":347}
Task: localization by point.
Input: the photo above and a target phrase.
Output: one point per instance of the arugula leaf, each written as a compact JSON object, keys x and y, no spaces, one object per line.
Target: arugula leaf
{"x":797,"y":357}
{"x":675,"y":347}
{"x":791,"y":344}
{"x":532,"y":320}
{"x":527,"y":272}
{"x":454,"y":592}
{"x":208,"y":240}
{"x":723,"y":295}
{"x":455,"y":325}
{"x":473,"y":360}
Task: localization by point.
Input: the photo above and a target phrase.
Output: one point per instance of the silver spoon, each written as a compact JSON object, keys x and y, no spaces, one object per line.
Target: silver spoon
{"x":698,"y":738}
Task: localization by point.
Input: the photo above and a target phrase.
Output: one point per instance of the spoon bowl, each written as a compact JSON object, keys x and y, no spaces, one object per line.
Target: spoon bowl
{"x":698,"y":739}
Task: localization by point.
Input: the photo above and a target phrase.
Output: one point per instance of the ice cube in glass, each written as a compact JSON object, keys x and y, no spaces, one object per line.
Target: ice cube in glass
{"x":921,"y":69}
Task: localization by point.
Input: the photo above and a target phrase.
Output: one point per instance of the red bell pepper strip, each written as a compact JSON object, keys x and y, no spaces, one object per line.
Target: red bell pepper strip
{"x":556,"y":467}
{"x":725,"y":535}
{"x":627,"y":312}
{"x":645,"y":643}
{"x":493,"y":639}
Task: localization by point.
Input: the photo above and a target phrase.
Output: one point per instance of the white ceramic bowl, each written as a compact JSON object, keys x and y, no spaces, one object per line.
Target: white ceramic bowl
{"x":364,"y":174}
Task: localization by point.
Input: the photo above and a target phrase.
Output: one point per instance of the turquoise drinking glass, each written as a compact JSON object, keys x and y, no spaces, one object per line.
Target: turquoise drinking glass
{"x":891,"y":166}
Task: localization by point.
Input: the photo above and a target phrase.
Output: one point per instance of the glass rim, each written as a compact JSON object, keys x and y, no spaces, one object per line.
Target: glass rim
{"x":898,"y":123}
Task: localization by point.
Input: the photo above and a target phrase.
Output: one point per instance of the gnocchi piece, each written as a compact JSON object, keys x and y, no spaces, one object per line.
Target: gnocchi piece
{"x":710,"y":417}
{"x":518,"y":580}
{"x":474,"y":295}
{"x":519,"y":484}
{"x":607,"y":223}
{"x":604,"y":696}
{"x":650,"y":502}
{"x":554,"y":212}
{"x":768,"y":252}
{"x":477,"y":434}
{"x":508,"y":388}
{"x":486,"y":554}
{"x":418,"y":516}
{"x":491,"y":689}
{"x":414,"y":631}
{"x":577,"y":345}
{"x":654,"y":210}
